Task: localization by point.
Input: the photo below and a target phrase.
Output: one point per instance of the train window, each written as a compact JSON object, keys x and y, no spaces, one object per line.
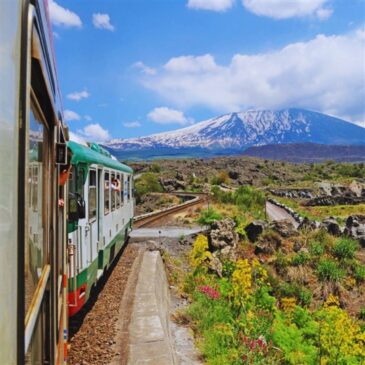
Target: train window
{"x":92,"y":195}
{"x":36,"y":212}
{"x":106,"y":193}
{"x":113,"y":192}
{"x":80,"y":182}
{"x":129,"y":187}
{"x":117,"y":193}
{"x":122,"y":190}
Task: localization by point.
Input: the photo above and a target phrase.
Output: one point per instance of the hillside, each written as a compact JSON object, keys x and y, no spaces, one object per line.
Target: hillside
{"x":308,"y":152}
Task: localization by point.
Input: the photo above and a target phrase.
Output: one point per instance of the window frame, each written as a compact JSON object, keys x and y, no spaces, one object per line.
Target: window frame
{"x":93,"y":187}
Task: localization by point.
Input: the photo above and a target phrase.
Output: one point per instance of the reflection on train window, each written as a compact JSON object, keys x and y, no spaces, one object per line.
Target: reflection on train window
{"x":36,"y":214}
{"x":92,"y":195}
{"x":117,"y":193}
{"x":129,"y":187}
{"x":122,"y":190}
{"x":113,"y":192}
{"x":35,"y":354}
{"x":106,"y":193}
{"x":80,"y":182}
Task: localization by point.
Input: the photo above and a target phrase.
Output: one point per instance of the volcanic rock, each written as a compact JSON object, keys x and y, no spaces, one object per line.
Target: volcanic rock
{"x":255,"y":229}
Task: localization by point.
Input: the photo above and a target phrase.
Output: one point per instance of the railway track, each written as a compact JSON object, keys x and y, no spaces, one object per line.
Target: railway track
{"x":93,"y":330}
{"x":193,"y":199}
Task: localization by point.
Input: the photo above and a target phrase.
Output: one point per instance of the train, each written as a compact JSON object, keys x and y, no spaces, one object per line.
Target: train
{"x":101,"y":206}
{"x":58,"y":236}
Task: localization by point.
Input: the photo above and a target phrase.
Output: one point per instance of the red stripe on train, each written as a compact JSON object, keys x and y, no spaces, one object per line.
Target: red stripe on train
{"x":75,"y":304}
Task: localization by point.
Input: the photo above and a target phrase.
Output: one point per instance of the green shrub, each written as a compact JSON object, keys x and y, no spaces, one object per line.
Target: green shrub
{"x":250,"y":199}
{"x":290,"y":290}
{"x":316,"y":248}
{"x":147,"y":183}
{"x":228,"y":268}
{"x":208,"y":216}
{"x":362,"y":314}
{"x":323,"y":237}
{"x":155,"y":168}
{"x":300,"y":259}
{"x":345,"y":248}
{"x":359,"y":273}
{"x":329,"y":270}
{"x":281,"y":263}
{"x":293,"y":340}
{"x":221,"y":178}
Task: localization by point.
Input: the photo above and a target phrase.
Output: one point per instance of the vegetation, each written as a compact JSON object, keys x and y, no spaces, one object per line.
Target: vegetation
{"x":208,"y":216}
{"x":241,"y":318}
{"x":247,"y":198}
{"x":147,"y":183}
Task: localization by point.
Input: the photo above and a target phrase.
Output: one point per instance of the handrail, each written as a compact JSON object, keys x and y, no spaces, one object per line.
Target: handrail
{"x":35,"y":305}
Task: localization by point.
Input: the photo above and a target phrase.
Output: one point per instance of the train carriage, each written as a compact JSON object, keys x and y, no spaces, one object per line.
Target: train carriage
{"x":33,"y":266}
{"x":101,"y":187}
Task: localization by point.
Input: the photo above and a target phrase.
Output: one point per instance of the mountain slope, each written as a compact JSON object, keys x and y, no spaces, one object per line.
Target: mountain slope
{"x":233,"y":133}
{"x":308,"y":152}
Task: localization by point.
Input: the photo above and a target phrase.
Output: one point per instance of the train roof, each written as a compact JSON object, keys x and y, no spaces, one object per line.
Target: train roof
{"x":93,"y":155}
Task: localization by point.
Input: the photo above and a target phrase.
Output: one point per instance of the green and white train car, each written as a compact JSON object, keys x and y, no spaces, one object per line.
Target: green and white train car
{"x":100,"y":217}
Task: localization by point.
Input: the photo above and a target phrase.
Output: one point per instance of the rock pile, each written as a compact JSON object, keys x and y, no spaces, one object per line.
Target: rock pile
{"x":355,"y":228}
{"x":223,"y":241}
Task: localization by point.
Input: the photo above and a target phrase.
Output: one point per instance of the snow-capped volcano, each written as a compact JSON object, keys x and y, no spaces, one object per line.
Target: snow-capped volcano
{"x":237,"y":131}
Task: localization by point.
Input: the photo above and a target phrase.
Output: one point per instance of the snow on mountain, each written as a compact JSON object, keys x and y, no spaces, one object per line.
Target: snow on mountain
{"x":237,"y":131}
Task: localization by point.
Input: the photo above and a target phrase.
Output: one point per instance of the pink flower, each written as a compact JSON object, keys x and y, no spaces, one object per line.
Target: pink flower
{"x":209,"y":292}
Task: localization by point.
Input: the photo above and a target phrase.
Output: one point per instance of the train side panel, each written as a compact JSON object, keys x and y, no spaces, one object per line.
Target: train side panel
{"x":10,"y":38}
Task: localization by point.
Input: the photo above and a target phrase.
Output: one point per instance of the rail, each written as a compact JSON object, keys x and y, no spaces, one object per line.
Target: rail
{"x":196,"y":198}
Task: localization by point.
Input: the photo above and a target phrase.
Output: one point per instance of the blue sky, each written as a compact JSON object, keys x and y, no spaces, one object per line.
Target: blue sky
{"x":130,"y":68}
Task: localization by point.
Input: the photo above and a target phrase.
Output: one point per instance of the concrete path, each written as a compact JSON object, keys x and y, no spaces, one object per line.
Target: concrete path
{"x":276,"y":213}
{"x":171,"y":232}
{"x":150,"y":341}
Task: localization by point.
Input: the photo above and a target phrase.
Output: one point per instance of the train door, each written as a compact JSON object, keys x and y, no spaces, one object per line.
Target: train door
{"x":92,"y":224}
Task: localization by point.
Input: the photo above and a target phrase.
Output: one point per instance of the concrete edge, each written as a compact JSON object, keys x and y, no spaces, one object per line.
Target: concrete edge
{"x":150,"y":340}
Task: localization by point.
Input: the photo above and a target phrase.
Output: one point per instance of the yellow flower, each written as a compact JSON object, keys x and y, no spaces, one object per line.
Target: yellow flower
{"x":288,"y":304}
{"x":199,"y":253}
{"x":242,"y":281}
{"x":340,"y":337}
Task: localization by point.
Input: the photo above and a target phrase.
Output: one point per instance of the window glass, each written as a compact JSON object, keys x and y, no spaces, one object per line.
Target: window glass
{"x":34,"y":249}
{"x":106,"y":193}
{"x":80,"y":182}
{"x":129,"y":187}
{"x":122,"y":190}
{"x":113,"y":191}
{"x":92,"y":194}
{"x":117,"y":193}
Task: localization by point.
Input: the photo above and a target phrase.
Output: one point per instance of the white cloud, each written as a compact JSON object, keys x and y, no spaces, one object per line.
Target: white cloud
{"x":62,"y":16}
{"x":164,"y":115}
{"x":78,"y":95}
{"x":71,"y":115}
{"x":282,"y":9}
{"x":87,"y":117}
{"x":214,"y":5}
{"x":144,"y":69}
{"x":95,"y":133}
{"x":323,"y":13}
{"x":324,"y":74}
{"x":102,"y":21}
{"x":132,"y":124}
